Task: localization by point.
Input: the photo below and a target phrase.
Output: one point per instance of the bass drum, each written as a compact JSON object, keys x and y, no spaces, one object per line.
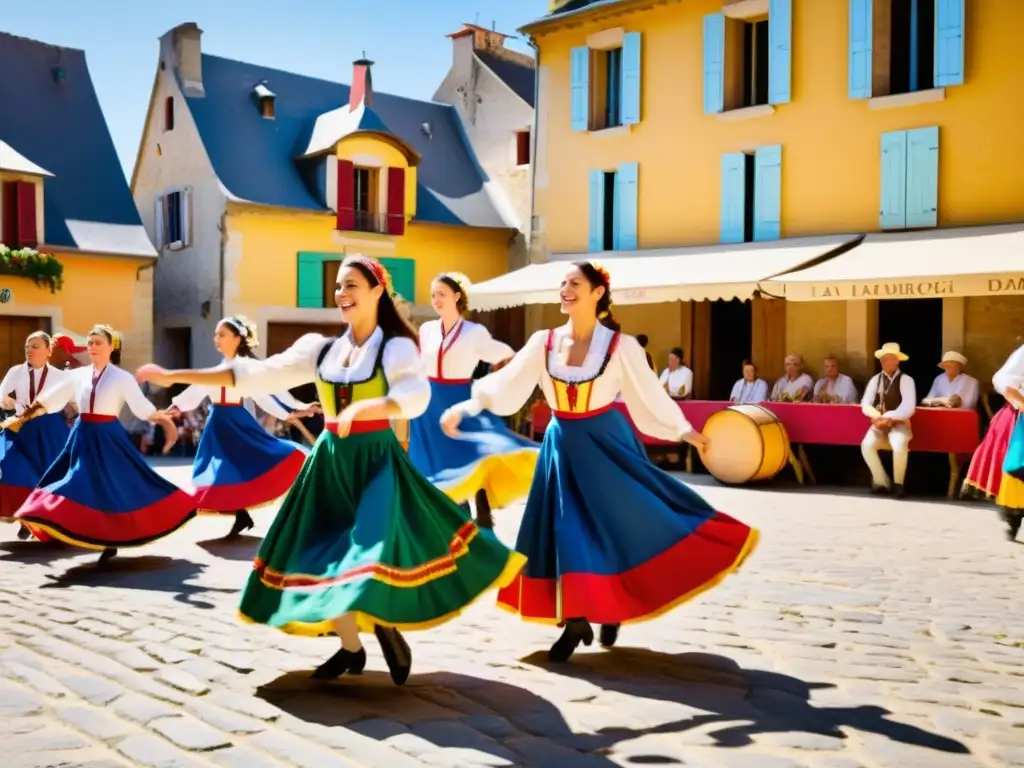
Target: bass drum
{"x":747,"y":443}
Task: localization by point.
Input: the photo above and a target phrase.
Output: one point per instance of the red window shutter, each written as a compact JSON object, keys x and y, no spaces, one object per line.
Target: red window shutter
{"x":396,"y":201}
{"x":9,"y":224}
{"x":27,"y":215}
{"x":346,"y":200}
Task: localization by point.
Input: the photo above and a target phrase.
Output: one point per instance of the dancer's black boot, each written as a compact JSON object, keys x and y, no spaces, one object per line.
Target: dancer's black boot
{"x":483,"y":511}
{"x":396,"y":652}
{"x":609,"y":634}
{"x":343,"y":661}
{"x":1013,"y":519}
{"x":23,"y":533}
{"x":243,"y":522}
{"x":108,"y":554}
{"x":576,"y":631}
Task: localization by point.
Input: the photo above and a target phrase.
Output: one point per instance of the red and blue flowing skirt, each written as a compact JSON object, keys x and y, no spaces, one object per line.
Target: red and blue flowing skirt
{"x":238,"y":465}
{"x":100,"y":492}
{"x":25,"y":458}
{"x":488,"y":456}
{"x":987,"y":474}
{"x":610,"y":537}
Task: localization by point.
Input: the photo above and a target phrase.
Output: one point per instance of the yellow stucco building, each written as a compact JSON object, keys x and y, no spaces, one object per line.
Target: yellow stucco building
{"x":744,"y":140}
{"x":256,"y":183}
{"x":64,"y":196}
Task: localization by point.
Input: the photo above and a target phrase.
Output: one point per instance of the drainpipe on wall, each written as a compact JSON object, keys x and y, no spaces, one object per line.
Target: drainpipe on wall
{"x":223,"y":247}
{"x":533,"y":147}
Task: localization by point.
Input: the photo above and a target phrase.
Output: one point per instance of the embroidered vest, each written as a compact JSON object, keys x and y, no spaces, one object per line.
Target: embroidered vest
{"x":888,"y":399}
{"x":573,"y":397}
{"x":335,"y":396}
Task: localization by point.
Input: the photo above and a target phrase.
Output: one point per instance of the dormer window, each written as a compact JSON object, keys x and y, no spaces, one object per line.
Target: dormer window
{"x":266,"y":98}
{"x":18,"y":201}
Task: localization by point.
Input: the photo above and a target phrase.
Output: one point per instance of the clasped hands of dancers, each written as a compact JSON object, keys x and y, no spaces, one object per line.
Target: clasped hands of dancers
{"x":371,"y":538}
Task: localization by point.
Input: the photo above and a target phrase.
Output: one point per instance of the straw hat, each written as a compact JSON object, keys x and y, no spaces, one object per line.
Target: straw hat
{"x":952,"y":357}
{"x":891,"y":348}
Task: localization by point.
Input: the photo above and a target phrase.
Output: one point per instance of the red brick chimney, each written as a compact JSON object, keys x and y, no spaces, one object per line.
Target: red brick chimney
{"x":361,"y":90}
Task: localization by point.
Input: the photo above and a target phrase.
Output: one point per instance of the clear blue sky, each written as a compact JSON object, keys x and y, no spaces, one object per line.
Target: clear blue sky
{"x":405,"y":38}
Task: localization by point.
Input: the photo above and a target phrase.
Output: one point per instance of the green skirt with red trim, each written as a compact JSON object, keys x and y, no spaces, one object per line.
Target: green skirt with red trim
{"x":362,"y":532}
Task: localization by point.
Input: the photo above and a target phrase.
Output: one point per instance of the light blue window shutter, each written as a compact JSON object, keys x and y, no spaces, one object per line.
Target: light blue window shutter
{"x":714,"y":63}
{"x":949,"y":42}
{"x":923,"y":177}
{"x":893,"y":213}
{"x":861,"y":48}
{"x":627,"y":210}
{"x":780,"y":55}
{"x":579,"y":86}
{"x":595,"y":243}
{"x":630,"y":78}
{"x":768,"y":193}
{"x":734,"y":197}
{"x":309,"y":278}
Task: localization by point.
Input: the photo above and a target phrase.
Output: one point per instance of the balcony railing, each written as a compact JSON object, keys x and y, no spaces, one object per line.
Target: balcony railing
{"x":365,"y":221}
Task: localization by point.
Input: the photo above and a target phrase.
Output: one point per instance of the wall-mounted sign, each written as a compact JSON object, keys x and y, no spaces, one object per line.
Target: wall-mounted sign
{"x":914,"y":288}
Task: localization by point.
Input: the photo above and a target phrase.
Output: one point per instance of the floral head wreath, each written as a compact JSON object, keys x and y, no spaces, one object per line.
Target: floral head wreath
{"x":115,"y":342}
{"x":606,"y":278}
{"x":243,"y":328}
{"x":380,"y":274}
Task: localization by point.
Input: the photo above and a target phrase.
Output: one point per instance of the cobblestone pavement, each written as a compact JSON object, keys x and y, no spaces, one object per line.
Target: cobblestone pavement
{"x":863,"y":632}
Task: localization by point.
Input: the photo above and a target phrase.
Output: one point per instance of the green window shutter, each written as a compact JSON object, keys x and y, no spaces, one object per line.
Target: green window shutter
{"x":310,"y":280}
{"x":403,"y":277}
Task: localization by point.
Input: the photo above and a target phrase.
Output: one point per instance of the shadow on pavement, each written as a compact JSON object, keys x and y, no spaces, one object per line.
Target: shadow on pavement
{"x":746,"y":702}
{"x":32,"y":551}
{"x":242,"y":548}
{"x":446,"y":709}
{"x":153,"y":573}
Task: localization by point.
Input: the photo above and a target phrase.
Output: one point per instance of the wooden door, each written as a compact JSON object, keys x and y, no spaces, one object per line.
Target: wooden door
{"x":507,"y":325}
{"x":768,"y":337}
{"x":13,"y":332}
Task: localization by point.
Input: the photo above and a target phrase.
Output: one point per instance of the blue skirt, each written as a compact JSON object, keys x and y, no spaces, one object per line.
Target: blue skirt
{"x":610,"y":537}
{"x":488,"y":457}
{"x":238,"y":465}
{"x":100,"y":492}
{"x":24,"y":458}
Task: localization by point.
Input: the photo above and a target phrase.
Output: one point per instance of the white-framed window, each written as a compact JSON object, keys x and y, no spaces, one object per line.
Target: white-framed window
{"x":174,"y":219}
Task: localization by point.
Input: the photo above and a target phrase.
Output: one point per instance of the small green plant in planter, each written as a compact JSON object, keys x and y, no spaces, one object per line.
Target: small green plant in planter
{"x":41,"y":268}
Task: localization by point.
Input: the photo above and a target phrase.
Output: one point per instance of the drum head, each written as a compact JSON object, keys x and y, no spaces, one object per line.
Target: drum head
{"x":735,"y":446}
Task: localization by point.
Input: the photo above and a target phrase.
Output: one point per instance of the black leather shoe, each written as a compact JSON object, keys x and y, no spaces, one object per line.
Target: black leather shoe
{"x":243,"y":522}
{"x":483,"y":511}
{"x":576,"y":631}
{"x":396,"y":652}
{"x":352,"y":662}
{"x":879,"y":490}
{"x":108,"y":554}
{"x":897,"y":491}
{"x":609,"y":634}
{"x":1013,"y":521}
{"x":23,"y":533}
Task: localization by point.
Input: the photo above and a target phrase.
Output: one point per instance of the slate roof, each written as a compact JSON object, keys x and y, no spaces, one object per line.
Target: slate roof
{"x":571,"y":7}
{"x":255,"y":158}
{"x":58,"y":125}
{"x":518,"y":77}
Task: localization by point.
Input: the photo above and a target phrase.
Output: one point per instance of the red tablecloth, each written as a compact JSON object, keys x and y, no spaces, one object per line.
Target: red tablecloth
{"x":941,"y":430}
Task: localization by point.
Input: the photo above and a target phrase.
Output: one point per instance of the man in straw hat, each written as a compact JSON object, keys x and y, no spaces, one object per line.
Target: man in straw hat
{"x":954,"y":388}
{"x":889,"y":402}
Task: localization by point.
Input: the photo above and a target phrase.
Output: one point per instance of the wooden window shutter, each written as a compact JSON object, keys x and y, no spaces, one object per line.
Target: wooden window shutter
{"x":346,"y":201}
{"x":27,"y":237}
{"x":9,"y":224}
{"x":396,"y":201}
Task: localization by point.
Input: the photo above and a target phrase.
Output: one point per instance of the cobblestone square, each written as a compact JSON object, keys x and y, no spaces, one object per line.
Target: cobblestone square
{"x":863,"y":632}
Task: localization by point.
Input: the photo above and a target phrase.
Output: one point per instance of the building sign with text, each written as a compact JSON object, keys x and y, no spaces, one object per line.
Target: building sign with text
{"x":913,"y":288}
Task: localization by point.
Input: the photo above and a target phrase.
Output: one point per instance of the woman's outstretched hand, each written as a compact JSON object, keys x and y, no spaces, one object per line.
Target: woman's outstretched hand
{"x":153,"y":373}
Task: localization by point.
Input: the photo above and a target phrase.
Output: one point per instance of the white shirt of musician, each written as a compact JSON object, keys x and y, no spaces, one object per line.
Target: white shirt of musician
{"x":114,"y":388}
{"x":679,"y":381}
{"x":883,"y":381}
{"x":19,"y":380}
{"x":786,"y":387}
{"x":744,"y":391}
{"x":1011,"y":375}
{"x":344,"y":362}
{"x":653,"y":412}
{"x":842,"y":387}
{"x":278,"y":405}
{"x":456,"y":354}
{"x":963,"y":385}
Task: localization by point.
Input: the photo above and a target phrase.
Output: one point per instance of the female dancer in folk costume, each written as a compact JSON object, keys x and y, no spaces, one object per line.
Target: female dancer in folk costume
{"x":238,"y":465}
{"x":609,"y":537}
{"x":362,"y":541}
{"x":997,"y":467}
{"x":26,"y":454}
{"x":489,"y":462}
{"x":100,"y":493}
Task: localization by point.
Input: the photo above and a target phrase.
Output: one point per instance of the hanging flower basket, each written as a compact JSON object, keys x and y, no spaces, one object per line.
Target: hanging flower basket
{"x":41,"y":268}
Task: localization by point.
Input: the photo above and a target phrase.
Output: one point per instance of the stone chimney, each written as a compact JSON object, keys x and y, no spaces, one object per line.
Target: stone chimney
{"x":182,"y":48}
{"x":475,"y":38}
{"x":361,"y":90}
